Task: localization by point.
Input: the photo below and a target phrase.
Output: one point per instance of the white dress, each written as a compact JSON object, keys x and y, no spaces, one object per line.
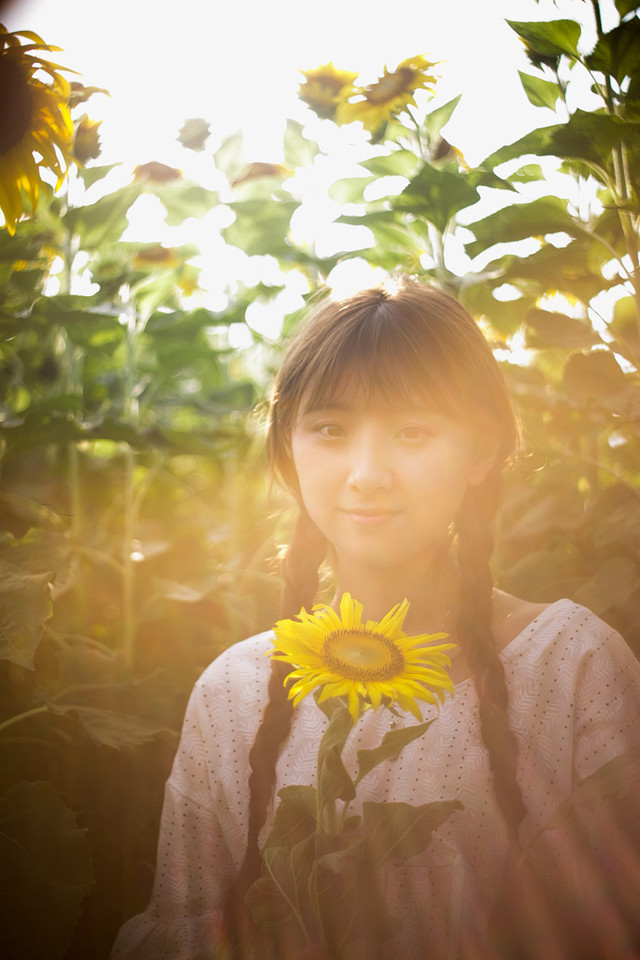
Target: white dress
{"x":574,"y":704}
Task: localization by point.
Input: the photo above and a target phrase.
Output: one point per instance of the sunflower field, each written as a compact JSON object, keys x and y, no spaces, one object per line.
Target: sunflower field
{"x":139,"y":534}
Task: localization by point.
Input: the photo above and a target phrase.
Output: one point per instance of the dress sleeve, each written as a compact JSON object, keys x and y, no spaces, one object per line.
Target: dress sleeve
{"x":594,"y":851}
{"x":607,"y":719}
{"x":203,"y":824}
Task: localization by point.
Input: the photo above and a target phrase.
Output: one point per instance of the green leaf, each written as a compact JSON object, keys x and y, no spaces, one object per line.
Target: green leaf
{"x":91,"y":175}
{"x":333,"y":780}
{"x":261,"y":226}
{"x":528,"y":173}
{"x":84,"y":324}
{"x":541,"y":93}
{"x":109,"y":728}
{"x":592,"y":376}
{"x":289,"y":868}
{"x":397,"y":831}
{"x":617,"y":53}
{"x":392,"y":743}
{"x":438,"y":118}
{"x":504,"y":316}
{"x":45,"y":872}
{"x":624,"y":327}
{"x":267,"y":904}
{"x":520,"y":222}
{"x":354,"y":911}
{"x":437,"y":195}
{"x":350,"y":189}
{"x":228,"y":157}
{"x":298,"y":150}
{"x":570,"y":269}
{"x":613,"y":585}
{"x":181,"y":323}
{"x":105,"y":220}
{"x":547,"y":329}
{"x":295,"y":817}
{"x":534,"y":143}
{"x":395,"y":243}
{"x":28,"y":567}
{"x":626,"y":6}
{"x":591,"y":137}
{"x":185,"y":199}
{"x":25,"y":606}
{"x":398,"y":163}
{"x":551,"y":38}
{"x":339,"y":853}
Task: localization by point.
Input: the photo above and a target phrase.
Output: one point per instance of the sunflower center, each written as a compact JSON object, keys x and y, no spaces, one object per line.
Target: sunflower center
{"x":362,"y":655}
{"x":386,"y":88}
{"x":15,"y":104}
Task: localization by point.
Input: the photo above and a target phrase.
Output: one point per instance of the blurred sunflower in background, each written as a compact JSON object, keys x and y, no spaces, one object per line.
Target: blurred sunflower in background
{"x":326,"y":87}
{"x":392,"y":93}
{"x":36,"y":131}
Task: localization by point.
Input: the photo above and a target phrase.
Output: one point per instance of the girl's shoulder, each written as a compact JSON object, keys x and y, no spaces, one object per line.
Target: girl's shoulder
{"x":241,"y":665}
{"x":563,"y":635}
{"x":511,"y":616}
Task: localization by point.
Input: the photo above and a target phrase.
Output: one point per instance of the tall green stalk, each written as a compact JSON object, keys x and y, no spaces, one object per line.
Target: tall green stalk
{"x":131,"y":412}
{"x":621,"y":184}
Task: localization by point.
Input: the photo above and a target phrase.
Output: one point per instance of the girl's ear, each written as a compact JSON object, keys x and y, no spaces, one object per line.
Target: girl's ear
{"x":486,"y":452}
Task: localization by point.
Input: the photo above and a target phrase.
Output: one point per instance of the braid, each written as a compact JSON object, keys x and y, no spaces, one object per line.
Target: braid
{"x":475,"y":545}
{"x":300,"y":571}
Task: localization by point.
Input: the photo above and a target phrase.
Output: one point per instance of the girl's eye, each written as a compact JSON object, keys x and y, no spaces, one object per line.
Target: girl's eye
{"x":331,"y":431}
{"x":413,"y":431}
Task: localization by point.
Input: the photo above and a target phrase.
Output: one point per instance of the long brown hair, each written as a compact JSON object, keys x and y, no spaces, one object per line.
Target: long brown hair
{"x":396,"y":344}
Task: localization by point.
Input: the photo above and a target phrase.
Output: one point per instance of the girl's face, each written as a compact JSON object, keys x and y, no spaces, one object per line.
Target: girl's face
{"x":383,"y":483}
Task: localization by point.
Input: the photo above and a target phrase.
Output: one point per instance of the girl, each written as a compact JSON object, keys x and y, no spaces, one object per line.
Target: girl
{"x":390,"y":424}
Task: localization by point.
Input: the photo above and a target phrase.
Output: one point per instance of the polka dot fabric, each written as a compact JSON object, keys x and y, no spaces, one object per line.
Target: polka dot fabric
{"x":574,"y":704}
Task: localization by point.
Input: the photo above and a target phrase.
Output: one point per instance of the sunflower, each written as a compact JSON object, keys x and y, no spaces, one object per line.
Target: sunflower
{"x":156,"y":257}
{"x":86,"y":144}
{"x":324,"y":88}
{"x":388,"y":96}
{"x":370,"y":663}
{"x":156,"y":172}
{"x":34,"y":118}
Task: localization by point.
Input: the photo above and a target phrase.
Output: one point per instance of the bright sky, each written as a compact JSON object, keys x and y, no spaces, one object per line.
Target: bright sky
{"x":236,"y":63}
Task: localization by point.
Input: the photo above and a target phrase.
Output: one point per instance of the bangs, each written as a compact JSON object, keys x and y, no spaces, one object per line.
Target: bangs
{"x":387,"y":363}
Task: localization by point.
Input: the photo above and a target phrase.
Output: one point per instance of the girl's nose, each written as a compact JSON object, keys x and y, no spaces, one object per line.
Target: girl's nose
{"x":369,"y":469}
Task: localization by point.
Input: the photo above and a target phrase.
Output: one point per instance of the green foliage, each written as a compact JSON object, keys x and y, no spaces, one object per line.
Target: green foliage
{"x":319,"y":862}
{"x":46,"y":871}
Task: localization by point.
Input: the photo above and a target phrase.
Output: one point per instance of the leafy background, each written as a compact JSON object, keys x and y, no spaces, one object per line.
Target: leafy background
{"x":139,"y":535}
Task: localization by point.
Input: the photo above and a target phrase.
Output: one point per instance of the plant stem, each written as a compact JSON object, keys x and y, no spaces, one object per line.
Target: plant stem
{"x":128,"y":573}
{"x":19,"y":717}
{"x":620,"y":172}
{"x":131,"y":411}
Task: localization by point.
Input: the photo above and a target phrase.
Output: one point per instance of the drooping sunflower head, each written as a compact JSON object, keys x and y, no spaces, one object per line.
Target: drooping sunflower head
{"x":325,"y":88}
{"x":394,"y":345}
{"x":392,"y":93}
{"x":370,"y":664}
{"x":36,"y":131}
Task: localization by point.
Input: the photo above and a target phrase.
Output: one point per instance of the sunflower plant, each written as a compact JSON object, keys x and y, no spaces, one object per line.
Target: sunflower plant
{"x":318,"y":886}
{"x":36,"y":130}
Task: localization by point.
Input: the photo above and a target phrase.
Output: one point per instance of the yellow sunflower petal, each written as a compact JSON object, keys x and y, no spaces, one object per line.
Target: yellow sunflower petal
{"x":34,"y":117}
{"x":392,"y":622}
{"x":368,"y":664}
